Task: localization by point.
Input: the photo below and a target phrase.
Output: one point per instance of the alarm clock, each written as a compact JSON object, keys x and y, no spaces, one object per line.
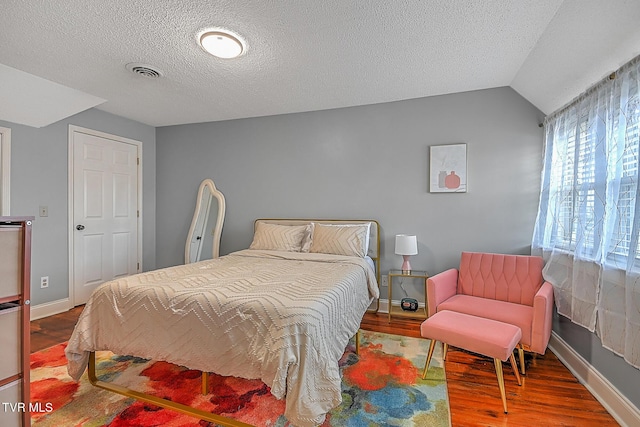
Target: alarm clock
{"x":409,"y":304}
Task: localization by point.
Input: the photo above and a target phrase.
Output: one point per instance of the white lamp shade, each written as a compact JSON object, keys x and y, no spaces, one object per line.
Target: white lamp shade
{"x":406,"y":245}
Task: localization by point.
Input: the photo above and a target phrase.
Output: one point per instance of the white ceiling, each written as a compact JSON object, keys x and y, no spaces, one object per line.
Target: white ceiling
{"x":305,"y":55}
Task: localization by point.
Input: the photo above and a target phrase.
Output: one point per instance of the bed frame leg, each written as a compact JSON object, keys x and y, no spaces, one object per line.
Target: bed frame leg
{"x":205,"y":383}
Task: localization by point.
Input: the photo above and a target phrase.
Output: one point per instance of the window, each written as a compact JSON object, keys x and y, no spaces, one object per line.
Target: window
{"x":623,"y":239}
{"x":588,"y":223}
{"x":575,"y":183}
{"x":594,"y":165}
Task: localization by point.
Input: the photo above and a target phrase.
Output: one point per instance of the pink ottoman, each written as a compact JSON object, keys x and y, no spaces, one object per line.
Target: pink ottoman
{"x":477,"y":334}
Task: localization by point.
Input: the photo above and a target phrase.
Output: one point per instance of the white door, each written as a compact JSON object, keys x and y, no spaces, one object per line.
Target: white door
{"x":105,"y":211}
{"x":5,"y":174}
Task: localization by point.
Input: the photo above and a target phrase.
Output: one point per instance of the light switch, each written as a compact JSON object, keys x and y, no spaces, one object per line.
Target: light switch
{"x":44,"y":210}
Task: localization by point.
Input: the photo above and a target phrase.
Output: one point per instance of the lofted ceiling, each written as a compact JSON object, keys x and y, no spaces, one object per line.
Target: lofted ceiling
{"x":301,"y":55}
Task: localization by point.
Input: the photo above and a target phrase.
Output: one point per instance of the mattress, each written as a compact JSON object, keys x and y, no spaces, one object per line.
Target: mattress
{"x":282,"y":317}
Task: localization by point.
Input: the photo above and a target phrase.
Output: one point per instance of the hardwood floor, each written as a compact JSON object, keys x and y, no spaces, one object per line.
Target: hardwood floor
{"x":549,"y":396}
{"x":52,"y":330}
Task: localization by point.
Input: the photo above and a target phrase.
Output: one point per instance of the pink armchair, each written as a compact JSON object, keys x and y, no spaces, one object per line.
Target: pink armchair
{"x":506,"y":288}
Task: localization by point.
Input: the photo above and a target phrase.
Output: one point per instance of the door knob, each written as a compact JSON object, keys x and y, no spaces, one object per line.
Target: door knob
{"x":79,"y":227}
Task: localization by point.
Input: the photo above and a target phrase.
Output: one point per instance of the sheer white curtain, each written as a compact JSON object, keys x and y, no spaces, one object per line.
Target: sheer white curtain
{"x":588,"y":221}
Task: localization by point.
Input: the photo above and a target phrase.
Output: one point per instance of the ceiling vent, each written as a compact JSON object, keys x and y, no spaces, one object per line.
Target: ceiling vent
{"x":144,"y":70}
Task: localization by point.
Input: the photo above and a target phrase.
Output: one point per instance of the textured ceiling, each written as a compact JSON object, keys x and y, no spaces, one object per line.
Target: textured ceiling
{"x":305,"y":55}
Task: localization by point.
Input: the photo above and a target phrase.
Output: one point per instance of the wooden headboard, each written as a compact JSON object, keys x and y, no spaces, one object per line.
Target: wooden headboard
{"x":374,"y":232}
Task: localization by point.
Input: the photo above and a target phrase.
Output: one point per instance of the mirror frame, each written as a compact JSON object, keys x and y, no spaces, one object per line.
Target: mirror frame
{"x":217,"y":231}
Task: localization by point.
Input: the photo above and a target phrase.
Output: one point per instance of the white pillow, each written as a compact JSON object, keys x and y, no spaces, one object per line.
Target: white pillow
{"x":307,"y":240}
{"x":276,"y":237}
{"x":341,"y":239}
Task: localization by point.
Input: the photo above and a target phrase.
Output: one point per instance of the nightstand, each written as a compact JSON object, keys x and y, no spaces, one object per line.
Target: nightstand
{"x":421,"y":313}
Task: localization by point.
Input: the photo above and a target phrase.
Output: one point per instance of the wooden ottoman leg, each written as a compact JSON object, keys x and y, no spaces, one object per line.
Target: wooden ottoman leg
{"x":498,"y":364}
{"x":445,"y":347}
{"x":358,"y":342}
{"x":515,"y":369}
{"x":426,"y":365}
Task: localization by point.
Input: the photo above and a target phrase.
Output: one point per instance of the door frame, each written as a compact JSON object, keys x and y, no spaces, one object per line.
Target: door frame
{"x":5,"y":177}
{"x":71,"y":226}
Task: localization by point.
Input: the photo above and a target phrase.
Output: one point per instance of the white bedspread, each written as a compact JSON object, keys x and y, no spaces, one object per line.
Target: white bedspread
{"x":283,"y":317}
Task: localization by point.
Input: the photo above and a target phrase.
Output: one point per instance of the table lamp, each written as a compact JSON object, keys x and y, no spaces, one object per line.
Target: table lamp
{"x":406,"y":246}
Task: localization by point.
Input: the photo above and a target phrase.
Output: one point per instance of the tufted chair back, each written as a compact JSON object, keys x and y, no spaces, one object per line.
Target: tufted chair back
{"x":511,"y":278}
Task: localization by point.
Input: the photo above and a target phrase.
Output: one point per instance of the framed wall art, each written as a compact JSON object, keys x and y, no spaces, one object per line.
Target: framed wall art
{"x":448,"y":168}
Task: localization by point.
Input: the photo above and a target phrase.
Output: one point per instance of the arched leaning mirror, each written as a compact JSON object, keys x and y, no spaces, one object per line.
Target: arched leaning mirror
{"x":203,"y":240}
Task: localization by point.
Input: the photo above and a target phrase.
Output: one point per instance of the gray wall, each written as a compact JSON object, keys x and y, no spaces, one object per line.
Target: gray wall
{"x":363,"y":162}
{"x":39,"y":169}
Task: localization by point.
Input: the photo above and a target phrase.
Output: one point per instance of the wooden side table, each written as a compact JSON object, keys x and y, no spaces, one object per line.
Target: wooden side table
{"x":397,"y":311}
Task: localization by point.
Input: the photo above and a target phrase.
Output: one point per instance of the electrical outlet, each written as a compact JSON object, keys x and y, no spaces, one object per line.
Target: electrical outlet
{"x":44,"y":282}
{"x":384,"y":280}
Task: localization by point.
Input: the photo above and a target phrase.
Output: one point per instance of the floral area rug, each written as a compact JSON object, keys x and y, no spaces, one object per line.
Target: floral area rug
{"x":380,"y":387}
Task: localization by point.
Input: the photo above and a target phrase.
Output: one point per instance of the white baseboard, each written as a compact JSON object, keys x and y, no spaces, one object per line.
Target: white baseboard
{"x":620,"y":408}
{"x":50,"y":308}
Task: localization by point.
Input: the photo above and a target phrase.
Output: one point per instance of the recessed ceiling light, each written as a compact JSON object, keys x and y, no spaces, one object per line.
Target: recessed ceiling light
{"x":221,"y":44}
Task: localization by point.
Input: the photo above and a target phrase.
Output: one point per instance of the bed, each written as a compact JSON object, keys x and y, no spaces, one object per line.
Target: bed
{"x":282,"y":311}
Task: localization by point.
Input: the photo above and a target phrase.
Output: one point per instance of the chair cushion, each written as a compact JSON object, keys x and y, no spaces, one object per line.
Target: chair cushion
{"x":510,"y":278}
{"x":484,"y":336}
{"x":515,"y":314}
